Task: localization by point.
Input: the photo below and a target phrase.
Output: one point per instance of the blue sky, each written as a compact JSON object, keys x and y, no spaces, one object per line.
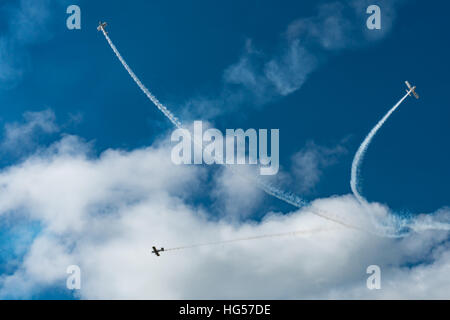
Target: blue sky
{"x":193,"y":55}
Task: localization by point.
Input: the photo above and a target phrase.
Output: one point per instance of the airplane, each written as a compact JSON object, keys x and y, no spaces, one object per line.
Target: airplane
{"x":101,"y":26}
{"x":156,"y":251}
{"x":411,"y":89}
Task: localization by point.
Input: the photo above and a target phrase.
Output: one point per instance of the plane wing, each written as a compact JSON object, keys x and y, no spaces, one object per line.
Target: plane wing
{"x":155,"y":251}
{"x":409,"y":86}
{"x":101,"y":26}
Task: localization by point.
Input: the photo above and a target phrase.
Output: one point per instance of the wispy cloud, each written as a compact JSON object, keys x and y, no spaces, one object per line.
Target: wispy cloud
{"x":27,"y":22}
{"x":258,"y":78}
{"x":288,"y":72}
{"x":22,"y":136}
{"x":309,"y":163}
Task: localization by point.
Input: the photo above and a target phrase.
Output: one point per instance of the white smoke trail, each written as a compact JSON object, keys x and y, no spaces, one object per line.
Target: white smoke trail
{"x":393,"y":226}
{"x":266,"y":187}
{"x":274,"y":235}
{"x":359,"y":156}
{"x":391,"y":229}
{"x":292,"y":199}
{"x":152,"y":98}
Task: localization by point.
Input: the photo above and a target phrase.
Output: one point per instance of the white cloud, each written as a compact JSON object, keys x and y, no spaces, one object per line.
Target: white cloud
{"x":308,"y":163}
{"x":235,"y":197}
{"x":9,"y":63}
{"x":289,"y":72}
{"x":21,"y":136}
{"x":28,"y":22}
{"x":332,"y":28}
{"x":105,"y":213}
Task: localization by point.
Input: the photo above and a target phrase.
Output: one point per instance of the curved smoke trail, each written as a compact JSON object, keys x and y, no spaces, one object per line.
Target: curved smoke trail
{"x":394,"y":226}
{"x":359,"y":156}
{"x":290,"y":198}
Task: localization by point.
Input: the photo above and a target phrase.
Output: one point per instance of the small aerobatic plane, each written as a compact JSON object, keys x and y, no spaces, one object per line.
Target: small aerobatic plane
{"x":156,"y":251}
{"x":101,"y":26}
{"x":411,"y":89}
